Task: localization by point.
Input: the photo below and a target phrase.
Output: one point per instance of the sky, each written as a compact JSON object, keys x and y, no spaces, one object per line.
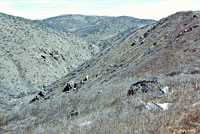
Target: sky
{"x":146,"y":9}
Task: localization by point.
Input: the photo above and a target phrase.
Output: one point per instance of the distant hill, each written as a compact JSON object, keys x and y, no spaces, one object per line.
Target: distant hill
{"x":72,"y":22}
{"x":34,"y":55}
{"x":96,"y":29}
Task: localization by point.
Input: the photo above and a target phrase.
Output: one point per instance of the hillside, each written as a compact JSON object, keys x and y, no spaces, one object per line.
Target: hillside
{"x":33,"y":56}
{"x":98,"y":30}
{"x":123,"y":83}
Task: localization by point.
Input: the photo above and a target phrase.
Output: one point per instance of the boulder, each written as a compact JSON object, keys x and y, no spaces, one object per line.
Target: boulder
{"x":141,"y":86}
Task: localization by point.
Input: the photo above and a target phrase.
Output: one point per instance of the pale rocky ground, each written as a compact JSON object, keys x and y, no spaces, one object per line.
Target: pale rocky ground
{"x":34,"y":55}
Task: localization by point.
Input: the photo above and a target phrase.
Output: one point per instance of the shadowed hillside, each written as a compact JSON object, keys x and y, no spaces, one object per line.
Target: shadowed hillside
{"x":127,"y":85}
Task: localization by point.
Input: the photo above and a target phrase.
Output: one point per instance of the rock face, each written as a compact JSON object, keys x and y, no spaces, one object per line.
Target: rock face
{"x":34,"y":55}
{"x":97,"y":30}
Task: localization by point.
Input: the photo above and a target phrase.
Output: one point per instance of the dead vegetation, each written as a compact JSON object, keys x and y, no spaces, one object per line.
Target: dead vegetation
{"x":113,"y":111}
{"x":102,"y":105}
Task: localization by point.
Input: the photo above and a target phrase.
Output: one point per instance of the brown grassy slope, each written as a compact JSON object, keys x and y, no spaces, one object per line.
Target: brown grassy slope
{"x":165,"y":50}
{"x":173,"y":44}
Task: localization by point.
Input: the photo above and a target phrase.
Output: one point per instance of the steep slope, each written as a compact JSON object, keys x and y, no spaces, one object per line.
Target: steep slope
{"x":96,"y":29}
{"x":34,"y":55}
{"x":173,"y":46}
{"x":165,"y":53}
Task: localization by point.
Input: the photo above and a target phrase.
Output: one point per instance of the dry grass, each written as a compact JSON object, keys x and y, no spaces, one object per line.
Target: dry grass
{"x":112,"y":111}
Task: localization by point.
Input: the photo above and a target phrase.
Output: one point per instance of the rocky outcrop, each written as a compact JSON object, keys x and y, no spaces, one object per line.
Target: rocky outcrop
{"x":143,"y":86}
